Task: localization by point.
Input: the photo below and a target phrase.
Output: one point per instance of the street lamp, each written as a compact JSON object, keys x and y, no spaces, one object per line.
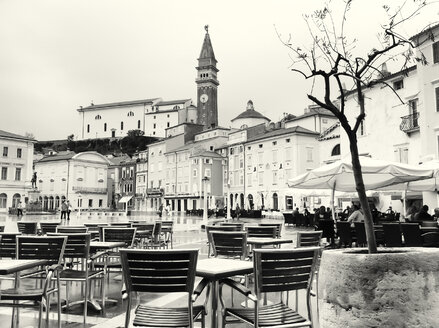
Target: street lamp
{"x":205,"y":179}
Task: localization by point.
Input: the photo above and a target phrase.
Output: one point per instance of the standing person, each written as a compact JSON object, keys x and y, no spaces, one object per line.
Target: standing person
{"x":34,"y":180}
{"x":160,"y":211}
{"x":19,"y":209}
{"x":69,"y":209}
{"x":237,"y":212}
{"x":63,"y":209}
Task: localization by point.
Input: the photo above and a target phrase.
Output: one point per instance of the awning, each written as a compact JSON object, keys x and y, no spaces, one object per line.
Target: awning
{"x":125,"y":199}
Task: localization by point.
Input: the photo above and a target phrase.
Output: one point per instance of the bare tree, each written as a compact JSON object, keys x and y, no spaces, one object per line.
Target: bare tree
{"x":330,"y":61}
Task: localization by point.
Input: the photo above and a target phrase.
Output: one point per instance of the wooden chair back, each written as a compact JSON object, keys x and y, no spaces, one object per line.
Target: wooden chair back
{"x":121,"y":224}
{"x":412,"y":234}
{"x":71,"y":229}
{"x":429,"y":224}
{"x":77,"y":246}
{"x":233,"y":224}
{"x":41,"y":248}
{"x":8,"y":244}
{"x":392,"y":235}
{"x":308,"y":238}
{"x":229,"y":244}
{"x":344,"y":233}
{"x":47,"y":227}
{"x":282,"y":270}
{"x":27,"y":228}
{"x":125,"y":235}
{"x":159,"y":271}
{"x":262,"y":232}
{"x":360,"y":233}
{"x":430,"y":239}
{"x":277,"y":225}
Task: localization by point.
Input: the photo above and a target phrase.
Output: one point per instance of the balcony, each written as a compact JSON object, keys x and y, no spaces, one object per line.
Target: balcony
{"x":90,"y":190}
{"x":410,"y":123}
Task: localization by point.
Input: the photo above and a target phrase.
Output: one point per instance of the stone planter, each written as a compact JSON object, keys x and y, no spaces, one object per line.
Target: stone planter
{"x":398,"y":287}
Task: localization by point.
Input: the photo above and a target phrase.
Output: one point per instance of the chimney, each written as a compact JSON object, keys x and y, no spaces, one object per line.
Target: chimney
{"x":384,"y":71}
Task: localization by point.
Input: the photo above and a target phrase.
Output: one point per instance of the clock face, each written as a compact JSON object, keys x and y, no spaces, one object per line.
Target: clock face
{"x":204,"y":98}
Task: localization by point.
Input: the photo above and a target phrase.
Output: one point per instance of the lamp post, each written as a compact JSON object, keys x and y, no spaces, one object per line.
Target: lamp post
{"x":80,"y":204}
{"x":205,"y":179}
{"x":229,"y":203}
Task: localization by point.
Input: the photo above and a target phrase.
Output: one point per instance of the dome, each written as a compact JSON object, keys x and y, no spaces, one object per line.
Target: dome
{"x":250,"y":113}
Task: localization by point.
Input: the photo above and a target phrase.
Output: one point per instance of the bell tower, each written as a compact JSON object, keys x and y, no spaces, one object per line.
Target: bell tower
{"x":207,"y":85}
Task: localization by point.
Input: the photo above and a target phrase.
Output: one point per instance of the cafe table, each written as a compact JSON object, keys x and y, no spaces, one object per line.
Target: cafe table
{"x":214,"y":269}
{"x":258,"y":242}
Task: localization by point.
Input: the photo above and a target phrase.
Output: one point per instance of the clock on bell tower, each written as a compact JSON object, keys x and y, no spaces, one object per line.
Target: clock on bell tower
{"x":207,"y":85}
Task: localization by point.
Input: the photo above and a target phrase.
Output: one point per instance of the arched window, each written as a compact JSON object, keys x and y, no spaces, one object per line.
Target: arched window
{"x":3,"y":200}
{"x":336,"y":150}
{"x":15,"y":199}
{"x":130,"y":114}
{"x":98,"y":117}
{"x":275,"y":202}
{"x":105,"y":127}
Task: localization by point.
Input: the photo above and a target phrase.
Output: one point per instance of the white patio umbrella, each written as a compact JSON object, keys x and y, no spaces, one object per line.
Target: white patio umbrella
{"x":377,"y":174}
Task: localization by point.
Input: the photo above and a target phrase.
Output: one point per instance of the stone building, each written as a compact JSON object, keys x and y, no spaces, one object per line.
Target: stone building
{"x":16,"y":164}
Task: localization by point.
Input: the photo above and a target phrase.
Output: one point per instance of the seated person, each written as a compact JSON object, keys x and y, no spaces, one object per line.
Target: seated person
{"x":423,"y":215}
{"x":356,"y":216}
{"x":436,"y":214}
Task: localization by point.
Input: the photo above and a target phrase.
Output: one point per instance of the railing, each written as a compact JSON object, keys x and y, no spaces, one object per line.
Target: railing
{"x":409,"y":123}
{"x":90,"y":190}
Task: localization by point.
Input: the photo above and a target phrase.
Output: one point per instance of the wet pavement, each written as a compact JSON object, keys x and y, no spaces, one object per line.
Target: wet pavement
{"x":187,"y":234}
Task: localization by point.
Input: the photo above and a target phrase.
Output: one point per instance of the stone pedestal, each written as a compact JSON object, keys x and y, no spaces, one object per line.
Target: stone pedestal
{"x":33,"y":195}
{"x":399,"y":288}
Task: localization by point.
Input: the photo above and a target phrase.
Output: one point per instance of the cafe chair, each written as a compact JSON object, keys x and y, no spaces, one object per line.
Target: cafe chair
{"x":262,"y":232}
{"x":38,"y":248}
{"x":430,"y":239}
{"x":144,"y":232}
{"x":121,"y":224}
{"x":344,"y":233}
{"x":46,"y":227}
{"x":276,"y":271}
{"x":277,"y":225}
{"x":168,"y":233}
{"x":71,"y":229}
{"x":8,"y":244}
{"x":229,"y":244}
{"x":27,"y":228}
{"x":412,"y":234}
{"x":78,"y":267}
{"x":211,"y":228}
{"x":93,"y":229}
{"x":233,"y":224}
{"x":308,"y":238}
{"x":162,"y":271}
{"x":392,"y":235}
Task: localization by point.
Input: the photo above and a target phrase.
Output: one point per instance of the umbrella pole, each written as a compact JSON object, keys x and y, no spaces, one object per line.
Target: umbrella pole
{"x":332,"y":202}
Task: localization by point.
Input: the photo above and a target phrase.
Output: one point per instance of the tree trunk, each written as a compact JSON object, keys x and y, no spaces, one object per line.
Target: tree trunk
{"x":356,"y":166}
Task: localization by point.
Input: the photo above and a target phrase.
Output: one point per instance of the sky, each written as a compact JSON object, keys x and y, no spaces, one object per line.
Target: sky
{"x":58,"y":55}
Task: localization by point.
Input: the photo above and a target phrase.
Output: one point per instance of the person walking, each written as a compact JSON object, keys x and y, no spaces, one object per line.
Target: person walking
{"x":160,"y":211}
{"x":19,"y":209}
{"x":237,"y":212}
{"x":69,"y":209}
{"x":63,"y":209}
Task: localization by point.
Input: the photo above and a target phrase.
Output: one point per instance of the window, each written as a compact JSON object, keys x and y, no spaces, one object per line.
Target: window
{"x":274,"y":143}
{"x":261,"y":178}
{"x":336,"y":150}
{"x":397,"y":85}
{"x":101,"y":201}
{"x":287,"y":140}
{"x":274,"y":155}
{"x":4,"y":173}
{"x":90,"y":203}
{"x":324,"y":120}
{"x":17,"y":174}
{"x":3,"y":199}
{"x":138,"y":124}
{"x":288,"y":154}
{"x":168,"y":115}
{"x":88,"y":128}
{"x":437,"y":100}
{"x":207,"y":173}
{"x":249,"y":179}
{"x":194,"y":173}
{"x":401,"y":155}
{"x":154,"y":125}
{"x":121,"y":125}
{"x":105,"y":127}
{"x":168,"y":124}
{"x":130,"y":114}
{"x":241,"y":179}
{"x":18,"y":152}
{"x":309,"y":154}
{"x":436,"y":52}
{"x":98,"y":117}
{"x":231,"y":151}
{"x":261,"y":145}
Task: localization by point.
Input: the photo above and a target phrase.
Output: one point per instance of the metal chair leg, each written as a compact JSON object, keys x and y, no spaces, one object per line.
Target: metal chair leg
{"x":59,"y":299}
{"x":47,"y":310}
{"x":85,"y":302}
{"x":40,"y":319}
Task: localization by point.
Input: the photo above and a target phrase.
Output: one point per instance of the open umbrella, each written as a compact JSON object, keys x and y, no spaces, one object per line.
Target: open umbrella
{"x":377,"y":174}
